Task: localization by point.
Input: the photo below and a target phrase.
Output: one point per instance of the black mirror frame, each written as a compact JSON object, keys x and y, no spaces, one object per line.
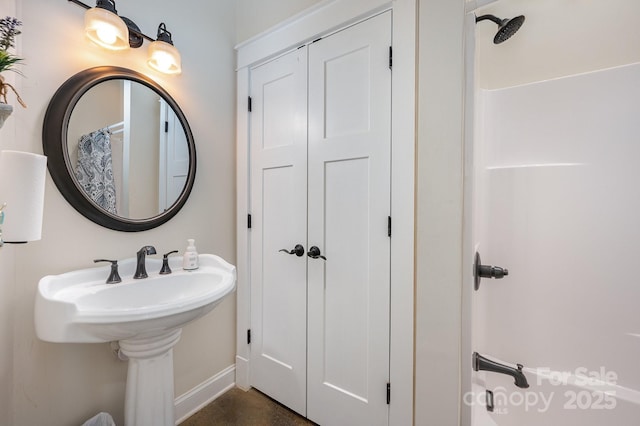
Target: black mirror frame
{"x":54,"y":143}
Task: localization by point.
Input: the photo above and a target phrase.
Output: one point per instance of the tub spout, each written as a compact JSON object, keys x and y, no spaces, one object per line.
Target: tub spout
{"x":482,"y":363}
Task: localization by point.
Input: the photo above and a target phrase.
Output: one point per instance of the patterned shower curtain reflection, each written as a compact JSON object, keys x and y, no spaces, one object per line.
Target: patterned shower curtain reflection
{"x":95,"y":170}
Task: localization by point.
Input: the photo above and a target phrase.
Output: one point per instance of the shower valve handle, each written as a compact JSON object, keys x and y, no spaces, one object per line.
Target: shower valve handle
{"x":486,"y":271}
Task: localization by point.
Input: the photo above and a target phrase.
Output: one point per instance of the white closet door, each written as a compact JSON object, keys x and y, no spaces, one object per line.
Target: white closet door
{"x":349,"y":206}
{"x":174,"y":157}
{"x":279,"y":221}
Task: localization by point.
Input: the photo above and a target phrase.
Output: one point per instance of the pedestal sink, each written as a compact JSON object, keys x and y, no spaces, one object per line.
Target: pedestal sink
{"x":145,"y":316}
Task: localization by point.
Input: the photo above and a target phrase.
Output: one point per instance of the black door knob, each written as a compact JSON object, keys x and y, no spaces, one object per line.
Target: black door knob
{"x":486,"y":271}
{"x":314,"y":253}
{"x":298,"y":250}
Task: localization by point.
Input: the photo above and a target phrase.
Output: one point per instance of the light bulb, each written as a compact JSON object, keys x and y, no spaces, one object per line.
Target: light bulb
{"x":164,"y":57}
{"x":106,"y":33}
{"x":162,"y":61}
{"x":106,"y":29}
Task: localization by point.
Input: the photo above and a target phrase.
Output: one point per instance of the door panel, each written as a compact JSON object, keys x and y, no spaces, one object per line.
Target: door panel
{"x":277,"y":333}
{"x":345,"y":307}
{"x":348,"y":207}
{"x":278,"y":157}
{"x":347,"y":88}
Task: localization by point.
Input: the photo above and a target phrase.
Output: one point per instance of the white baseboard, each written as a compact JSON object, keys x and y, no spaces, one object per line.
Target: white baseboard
{"x":197,"y":398}
{"x":242,"y":373}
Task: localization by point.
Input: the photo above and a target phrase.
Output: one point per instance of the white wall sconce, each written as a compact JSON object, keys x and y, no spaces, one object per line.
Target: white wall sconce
{"x":22,"y":178}
{"x":106,"y":28}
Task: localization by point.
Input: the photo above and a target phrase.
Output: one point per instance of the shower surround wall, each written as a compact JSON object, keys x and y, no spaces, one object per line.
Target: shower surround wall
{"x":558,"y":199}
{"x":558,"y":103}
{"x":64,"y":384}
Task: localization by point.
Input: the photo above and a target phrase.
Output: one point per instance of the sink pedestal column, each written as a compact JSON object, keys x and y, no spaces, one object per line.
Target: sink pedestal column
{"x":149,"y":399}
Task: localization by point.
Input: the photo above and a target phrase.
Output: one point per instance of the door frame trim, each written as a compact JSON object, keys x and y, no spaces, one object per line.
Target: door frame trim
{"x":470,"y":110}
{"x":327,"y":17}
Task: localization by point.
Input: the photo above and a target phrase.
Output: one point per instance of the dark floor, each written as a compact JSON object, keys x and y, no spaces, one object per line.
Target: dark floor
{"x":239,"y":408}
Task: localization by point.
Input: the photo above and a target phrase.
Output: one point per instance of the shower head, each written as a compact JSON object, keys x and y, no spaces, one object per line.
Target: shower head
{"x":506,"y":27}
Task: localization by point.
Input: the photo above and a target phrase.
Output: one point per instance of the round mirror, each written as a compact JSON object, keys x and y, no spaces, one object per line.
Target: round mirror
{"x":119,"y":148}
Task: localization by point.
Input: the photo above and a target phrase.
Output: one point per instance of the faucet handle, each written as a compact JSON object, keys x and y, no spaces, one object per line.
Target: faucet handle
{"x":165,"y":263}
{"x":114,"y":277}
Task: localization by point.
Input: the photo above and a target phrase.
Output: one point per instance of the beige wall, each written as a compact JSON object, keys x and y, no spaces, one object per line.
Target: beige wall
{"x":7,"y":274}
{"x":90,"y":114}
{"x":439,"y":211}
{"x":63,"y":384}
{"x":558,"y":38}
{"x":255,"y":16}
{"x":59,"y":384}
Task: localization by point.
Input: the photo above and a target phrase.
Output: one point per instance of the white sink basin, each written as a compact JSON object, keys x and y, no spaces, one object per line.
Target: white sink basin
{"x":145,"y":316}
{"x":78,"y":307}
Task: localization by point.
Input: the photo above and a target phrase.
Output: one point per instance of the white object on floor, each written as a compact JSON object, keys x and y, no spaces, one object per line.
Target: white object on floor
{"x":100,"y":419}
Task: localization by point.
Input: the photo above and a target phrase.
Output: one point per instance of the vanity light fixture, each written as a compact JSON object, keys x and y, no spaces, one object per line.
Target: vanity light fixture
{"x":106,"y":28}
{"x":163,"y":56}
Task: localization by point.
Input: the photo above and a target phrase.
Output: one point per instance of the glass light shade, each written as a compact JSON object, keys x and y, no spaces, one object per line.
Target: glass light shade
{"x":164,"y":57}
{"x":106,"y":29}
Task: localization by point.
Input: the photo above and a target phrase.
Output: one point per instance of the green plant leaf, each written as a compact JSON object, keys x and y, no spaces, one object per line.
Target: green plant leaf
{"x":8,"y":62}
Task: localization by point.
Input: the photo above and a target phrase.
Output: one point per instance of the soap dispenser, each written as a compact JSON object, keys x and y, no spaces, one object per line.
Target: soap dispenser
{"x":190,"y":257}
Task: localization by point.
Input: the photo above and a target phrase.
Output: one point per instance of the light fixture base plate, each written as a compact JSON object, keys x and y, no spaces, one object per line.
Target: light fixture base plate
{"x":135,"y":37}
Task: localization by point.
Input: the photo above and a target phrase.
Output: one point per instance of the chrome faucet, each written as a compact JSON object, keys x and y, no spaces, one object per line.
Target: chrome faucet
{"x":141,"y":270}
{"x":482,"y":363}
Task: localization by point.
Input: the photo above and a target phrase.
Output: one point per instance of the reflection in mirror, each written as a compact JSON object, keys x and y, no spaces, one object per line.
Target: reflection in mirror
{"x":119,"y":148}
{"x":127,"y":149}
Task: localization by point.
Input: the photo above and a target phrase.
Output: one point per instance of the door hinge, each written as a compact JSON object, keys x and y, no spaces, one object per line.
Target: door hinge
{"x":489,"y":400}
{"x":249,"y":221}
{"x":249,"y":337}
{"x":249,"y":104}
{"x":388,"y":393}
{"x":166,"y":127}
{"x":389,"y":226}
{"x":390,"y":57}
